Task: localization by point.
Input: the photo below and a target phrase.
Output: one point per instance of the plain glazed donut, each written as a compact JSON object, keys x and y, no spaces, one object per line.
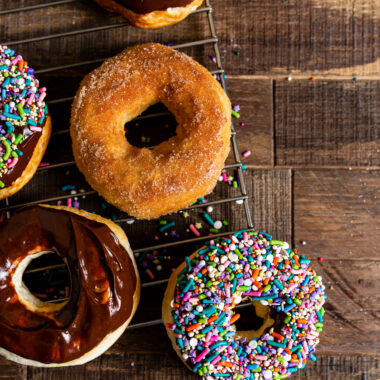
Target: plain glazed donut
{"x":25,"y":124}
{"x":105,"y":287}
{"x":151,"y":14}
{"x":199,"y":302}
{"x":149,"y":183}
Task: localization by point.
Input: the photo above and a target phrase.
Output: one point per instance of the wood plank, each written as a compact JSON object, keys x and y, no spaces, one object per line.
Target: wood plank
{"x":162,"y":366}
{"x":326,"y":123}
{"x":127,"y":360}
{"x":93,"y":45}
{"x":338,"y":367}
{"x":11,"y":371}
{"x":353,"y":297}
{"x":271,"y":199}
{"x":336,"y":212}
{"x":320,"y":36}
{"x":255,"y":98}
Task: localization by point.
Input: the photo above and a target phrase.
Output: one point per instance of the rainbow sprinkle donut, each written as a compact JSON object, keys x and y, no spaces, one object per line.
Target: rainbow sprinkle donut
{"x":207,"y":287}
{"x":24,"y":122}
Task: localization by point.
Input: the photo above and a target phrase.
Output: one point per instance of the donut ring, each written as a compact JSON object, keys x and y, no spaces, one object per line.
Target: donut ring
{"x":25,"y":125}
{"x":105,"y":287}
{"x":152,"y":14}
{"x":149,"y":183}
{"x":206,"y":288}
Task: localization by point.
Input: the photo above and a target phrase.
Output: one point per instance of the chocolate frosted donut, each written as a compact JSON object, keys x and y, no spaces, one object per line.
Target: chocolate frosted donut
{"x":151,"y":14}
{"x":105,"y":287}
{"x":25,"y":124}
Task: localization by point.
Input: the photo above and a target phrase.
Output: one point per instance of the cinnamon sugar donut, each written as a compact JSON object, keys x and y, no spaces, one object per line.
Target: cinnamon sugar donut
{"x":105,"y":287}
{"x":25,"y":124}
{"x":149,"y":183}
{"x":151,"y":14}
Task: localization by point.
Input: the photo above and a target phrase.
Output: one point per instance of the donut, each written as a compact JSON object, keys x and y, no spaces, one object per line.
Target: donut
{"x":151,"y":14}
{"x":105,"y":286}
{"x":25,"y":124}
{"x":142,"y":182}
{"x":200,"y":300}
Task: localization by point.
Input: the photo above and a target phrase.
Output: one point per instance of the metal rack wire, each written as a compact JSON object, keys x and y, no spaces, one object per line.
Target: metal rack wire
{"x":212,"y":39}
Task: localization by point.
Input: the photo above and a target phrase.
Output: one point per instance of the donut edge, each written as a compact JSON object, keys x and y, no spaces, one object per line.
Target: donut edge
{"x":33,"y":163}
{"x":151,"y":20}
{"x":167,"y":309}
{"x":112,"y":337}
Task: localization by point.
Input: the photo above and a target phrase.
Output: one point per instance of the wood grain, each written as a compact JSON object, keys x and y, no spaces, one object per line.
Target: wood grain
{"x":316,"y":37}
{"x":295,"y":36}
{"x":255,"y":98}
{"x":335,"y":216}
{"x":352,"y":299}
{"x":325,"y":123}
{"x":150,"y":365}
{"x":11,"y":371}
{"x":336,"y":212}
{"x":327,"y":367}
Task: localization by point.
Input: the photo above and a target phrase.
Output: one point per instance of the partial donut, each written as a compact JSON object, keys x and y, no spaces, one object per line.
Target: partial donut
{"x":105,"y":287}
{"x":199,"y":308}
{"x":25,"y":124}
{"x":151,"y":14}
{"x":149,"y":183}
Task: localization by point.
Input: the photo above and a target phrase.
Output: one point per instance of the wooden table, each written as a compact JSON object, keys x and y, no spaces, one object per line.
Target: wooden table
{"x":314,"y":172}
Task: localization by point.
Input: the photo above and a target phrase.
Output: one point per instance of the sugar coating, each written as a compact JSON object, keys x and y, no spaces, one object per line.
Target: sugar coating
{"x":247,"y":265}
{"x":179,"y":170}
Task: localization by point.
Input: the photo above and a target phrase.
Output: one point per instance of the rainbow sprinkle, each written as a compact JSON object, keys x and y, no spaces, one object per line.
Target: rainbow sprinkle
{"x":22,"y":107}
{"x":221,"y":275}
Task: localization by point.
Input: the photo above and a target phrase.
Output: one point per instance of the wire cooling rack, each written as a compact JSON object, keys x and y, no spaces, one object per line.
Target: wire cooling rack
{"x":211,"y":39}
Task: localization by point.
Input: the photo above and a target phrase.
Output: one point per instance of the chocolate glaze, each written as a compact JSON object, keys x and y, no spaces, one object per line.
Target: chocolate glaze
{"x":98,"y":266}
{"x":30,"y":140}
{"x":147,"y":6}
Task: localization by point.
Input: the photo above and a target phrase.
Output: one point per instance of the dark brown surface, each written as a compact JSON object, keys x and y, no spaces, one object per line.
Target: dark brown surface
{"x":327,"y":123}
{"x":314,"y":132}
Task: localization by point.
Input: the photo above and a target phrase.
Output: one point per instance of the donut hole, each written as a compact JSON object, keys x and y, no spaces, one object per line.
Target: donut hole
{"x":254,"y":321}
{"x":52,"y":283}
{"x":156,"y":125}
{"x":249,"y":320}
